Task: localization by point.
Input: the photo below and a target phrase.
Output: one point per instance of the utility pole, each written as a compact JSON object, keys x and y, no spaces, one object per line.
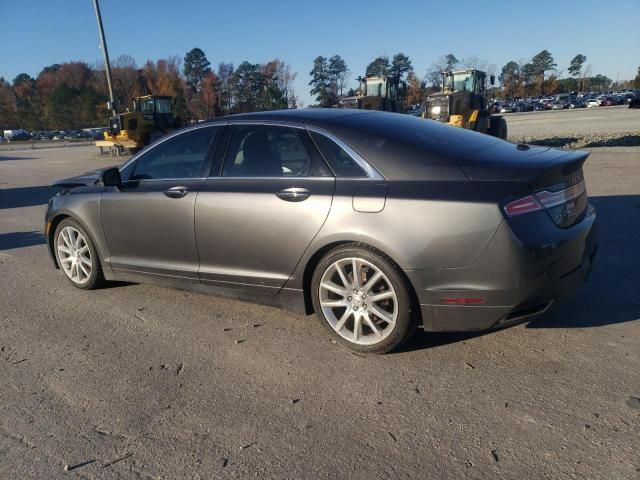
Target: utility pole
{"x":111,"y":105}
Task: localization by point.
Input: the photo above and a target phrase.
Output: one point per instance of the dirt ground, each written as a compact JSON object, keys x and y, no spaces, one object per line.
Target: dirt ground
{"x":137,"y":381}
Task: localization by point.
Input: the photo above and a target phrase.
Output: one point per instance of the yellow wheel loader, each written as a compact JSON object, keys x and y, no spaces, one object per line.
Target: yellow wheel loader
{"x":376,"y":93}
{"x":462,"y":102}
{"x":149,"y":119}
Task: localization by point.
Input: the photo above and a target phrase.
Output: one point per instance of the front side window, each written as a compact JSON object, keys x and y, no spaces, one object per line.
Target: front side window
{"x":182,"y":156}
{"x":342,"y":164}
{"x":266,"y":151}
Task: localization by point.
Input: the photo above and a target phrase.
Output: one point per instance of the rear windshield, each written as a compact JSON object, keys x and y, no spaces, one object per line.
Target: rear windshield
{"x":429,"y":135}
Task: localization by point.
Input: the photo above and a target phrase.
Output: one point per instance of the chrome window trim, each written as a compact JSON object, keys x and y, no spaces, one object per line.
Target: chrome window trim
{"x":143,"y":180}
{"x":331,"y":178}
{"x":371,"y":173}
{"x":184,"y":179}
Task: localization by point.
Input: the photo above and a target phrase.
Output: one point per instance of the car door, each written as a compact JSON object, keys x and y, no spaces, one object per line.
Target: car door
{"x":148,"y":222}
{"x":264,"y":203}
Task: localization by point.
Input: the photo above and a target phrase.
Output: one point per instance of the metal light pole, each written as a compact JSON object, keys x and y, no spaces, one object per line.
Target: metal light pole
{"x":107,"y":67}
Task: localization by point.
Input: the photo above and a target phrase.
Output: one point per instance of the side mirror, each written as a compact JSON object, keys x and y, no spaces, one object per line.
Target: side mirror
{"x":111,"y":177}
{"x":492,"y":80}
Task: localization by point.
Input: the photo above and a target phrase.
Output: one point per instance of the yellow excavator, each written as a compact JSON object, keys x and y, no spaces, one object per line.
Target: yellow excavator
{"x":462,"y":102}
{"x":149,"y":119}
{"x":376,"y":93}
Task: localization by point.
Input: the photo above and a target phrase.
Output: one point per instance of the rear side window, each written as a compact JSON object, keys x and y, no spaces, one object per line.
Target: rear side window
{"x":182,"y":156}
{"x":268,"y":151}
{"x":342,"y":164}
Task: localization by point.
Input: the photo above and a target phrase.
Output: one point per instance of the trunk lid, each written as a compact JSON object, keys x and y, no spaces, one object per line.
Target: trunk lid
{"x":554,"y":179}
{"x":538,"y":166}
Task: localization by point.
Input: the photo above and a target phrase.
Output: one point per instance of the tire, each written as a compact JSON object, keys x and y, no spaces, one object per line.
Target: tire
{"x":77,"y":256}
{"x":347,"y":307}
{"x":498,"y":127}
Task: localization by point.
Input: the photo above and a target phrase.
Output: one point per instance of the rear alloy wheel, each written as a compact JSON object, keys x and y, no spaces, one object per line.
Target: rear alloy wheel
{"x":362,"y":298}
{"x":77,"y":256}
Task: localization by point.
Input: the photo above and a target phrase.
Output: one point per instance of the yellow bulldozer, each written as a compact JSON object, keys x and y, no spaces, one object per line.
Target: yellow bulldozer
{"x":462,"y":102}
{"x":149,"y":119}
{"x":376,"y":93}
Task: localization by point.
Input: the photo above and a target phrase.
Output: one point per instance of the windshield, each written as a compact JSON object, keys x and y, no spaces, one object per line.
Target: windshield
{"x":157,"y":105}
{"x":459,"y":82}
{"x":375,"y":87}
{"x":146,"y":105}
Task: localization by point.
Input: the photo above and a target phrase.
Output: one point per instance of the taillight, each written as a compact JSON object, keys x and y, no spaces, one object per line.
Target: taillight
{"x":523,"y":205}
{"x":547,"y":199}
{"x":552,"y":199}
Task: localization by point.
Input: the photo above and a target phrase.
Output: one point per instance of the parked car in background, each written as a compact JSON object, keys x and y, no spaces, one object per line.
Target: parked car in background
{"x":20,"y":136}
{"x":593,"y":102}
{"x":309,"y":209}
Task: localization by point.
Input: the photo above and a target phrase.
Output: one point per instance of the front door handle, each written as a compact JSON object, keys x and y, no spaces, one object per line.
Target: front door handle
{"x":293,"y":194}
{"x":176,"y":192}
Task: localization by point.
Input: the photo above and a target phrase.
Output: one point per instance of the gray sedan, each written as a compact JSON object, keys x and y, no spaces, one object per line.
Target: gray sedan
{"x":377,"y":222}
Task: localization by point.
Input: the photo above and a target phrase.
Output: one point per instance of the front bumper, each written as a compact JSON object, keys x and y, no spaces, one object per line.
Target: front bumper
{"x":512,"y":281}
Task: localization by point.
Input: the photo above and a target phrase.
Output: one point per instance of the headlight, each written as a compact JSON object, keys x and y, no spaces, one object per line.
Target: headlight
{"x":436,"y":110}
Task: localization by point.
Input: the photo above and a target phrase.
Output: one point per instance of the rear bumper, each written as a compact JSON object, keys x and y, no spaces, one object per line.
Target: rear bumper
{"x":514,"y":281}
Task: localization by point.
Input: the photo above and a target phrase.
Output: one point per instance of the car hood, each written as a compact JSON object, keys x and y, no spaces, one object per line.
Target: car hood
{"x":86,"y":179}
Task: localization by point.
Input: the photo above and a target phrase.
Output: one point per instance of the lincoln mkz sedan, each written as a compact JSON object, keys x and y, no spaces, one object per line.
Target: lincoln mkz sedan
{"x":377,"y":222}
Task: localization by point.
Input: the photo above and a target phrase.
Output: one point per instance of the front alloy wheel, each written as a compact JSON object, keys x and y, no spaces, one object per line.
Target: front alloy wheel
{"x":74,"y":255}
{"x":77,"y":256}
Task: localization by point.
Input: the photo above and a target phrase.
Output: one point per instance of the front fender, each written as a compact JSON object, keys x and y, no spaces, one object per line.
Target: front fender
{"x":84,"y":207}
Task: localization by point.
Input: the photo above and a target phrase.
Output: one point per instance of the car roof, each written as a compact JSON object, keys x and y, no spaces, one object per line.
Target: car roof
{"x":308,"y":115}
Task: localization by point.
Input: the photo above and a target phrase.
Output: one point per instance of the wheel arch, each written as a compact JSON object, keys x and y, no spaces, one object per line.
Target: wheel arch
{"x":315,"y":258}
{"x":55,"y":221}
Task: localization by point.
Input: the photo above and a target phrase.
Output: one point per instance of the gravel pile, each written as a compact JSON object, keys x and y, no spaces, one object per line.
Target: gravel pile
{"x":617,"y":139}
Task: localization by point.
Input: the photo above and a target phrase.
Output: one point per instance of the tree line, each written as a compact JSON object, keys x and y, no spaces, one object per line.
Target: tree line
{"x":521,"y":79}
{"x":74,"y":94}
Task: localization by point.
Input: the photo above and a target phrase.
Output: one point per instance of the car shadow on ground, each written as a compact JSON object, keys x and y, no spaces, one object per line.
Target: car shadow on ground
{"x":611,"y":294}
{"x":26,"y":196}
{"x":5,"y":158}
{"x":9,"y":241}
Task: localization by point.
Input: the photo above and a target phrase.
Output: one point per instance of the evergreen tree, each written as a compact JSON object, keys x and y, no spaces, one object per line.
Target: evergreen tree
{"x":379,"y":67}
{"x":541,"y":63}
{"x":400,"y":65}
{"x":196,"y":67}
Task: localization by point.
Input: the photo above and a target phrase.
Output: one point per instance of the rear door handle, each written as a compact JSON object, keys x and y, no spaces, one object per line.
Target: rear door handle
{"x":176,"y":192}
{"x":293,"y":194}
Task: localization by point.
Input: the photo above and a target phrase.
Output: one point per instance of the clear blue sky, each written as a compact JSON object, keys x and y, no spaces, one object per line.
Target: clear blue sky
{"x":36,"y":33}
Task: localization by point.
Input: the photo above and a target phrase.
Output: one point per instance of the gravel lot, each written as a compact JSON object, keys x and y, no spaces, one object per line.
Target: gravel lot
{"x":137,"y":381}
{"x":580,"y":121}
